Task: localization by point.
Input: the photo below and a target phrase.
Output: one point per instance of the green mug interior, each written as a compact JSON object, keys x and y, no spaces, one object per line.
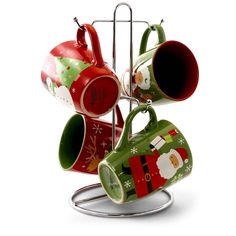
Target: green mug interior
{"x":175,"y":69}
{"x":111,"y":183}
{"x":71,"y":142}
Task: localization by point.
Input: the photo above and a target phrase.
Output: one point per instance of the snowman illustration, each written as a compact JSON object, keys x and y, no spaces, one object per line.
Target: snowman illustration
{"x":61,"y":93}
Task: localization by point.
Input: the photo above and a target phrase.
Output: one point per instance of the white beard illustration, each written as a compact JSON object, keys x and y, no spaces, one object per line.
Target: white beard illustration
{"x":142,"y":79}
{"x":165,"y":166}
{"x":61,"y":93}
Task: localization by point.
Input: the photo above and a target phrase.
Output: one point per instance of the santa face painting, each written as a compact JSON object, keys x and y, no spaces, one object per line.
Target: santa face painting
{"x":142,"y":78}
{"x":151,"y":172}
{"x":169,"y":163}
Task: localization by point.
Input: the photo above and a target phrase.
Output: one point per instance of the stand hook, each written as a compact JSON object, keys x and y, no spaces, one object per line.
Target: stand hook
{"x":77,"y":22}
{"x":148,"y":104}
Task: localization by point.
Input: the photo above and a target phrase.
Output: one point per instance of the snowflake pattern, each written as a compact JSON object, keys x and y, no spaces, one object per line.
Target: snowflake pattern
{"x":73,"y":90}
{"x":180,"y":176}
{"x":97,"y":129}
{"x":177,"y":177}
{"x":181,"y":141}
{"x":174,"y":180}
{"x":103,"y":144}
{"x":121,"y":173}
{"x":127,"y":184}
{"x":134,"y":150}
{"x":188,"y":168}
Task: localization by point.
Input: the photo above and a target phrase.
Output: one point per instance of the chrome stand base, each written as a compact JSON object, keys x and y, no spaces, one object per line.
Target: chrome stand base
{"x":133,"y":209}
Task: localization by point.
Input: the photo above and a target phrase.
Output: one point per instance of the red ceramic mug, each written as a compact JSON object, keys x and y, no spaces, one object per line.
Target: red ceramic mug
{"x":85,"y":141}
{"x":79,"y":77}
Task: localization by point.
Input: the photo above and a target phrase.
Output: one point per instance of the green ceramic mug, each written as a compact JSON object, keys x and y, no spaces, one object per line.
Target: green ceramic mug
{"x":167,"y":72}
{"x":149,"y":161}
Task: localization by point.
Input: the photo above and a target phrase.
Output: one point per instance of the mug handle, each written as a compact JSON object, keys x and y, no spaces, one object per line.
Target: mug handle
{"x":97,"y":54}
{"x":128,"y":122}
{"x":119,"y":118}
{"x":144,"y":40}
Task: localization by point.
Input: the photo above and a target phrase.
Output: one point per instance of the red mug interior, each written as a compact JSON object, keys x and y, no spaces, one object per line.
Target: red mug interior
{"x":100,"y":95}
{"x":176,"y":71}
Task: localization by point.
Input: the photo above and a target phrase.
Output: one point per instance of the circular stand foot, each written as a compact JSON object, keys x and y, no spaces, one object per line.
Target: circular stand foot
{"x":95,"y":204}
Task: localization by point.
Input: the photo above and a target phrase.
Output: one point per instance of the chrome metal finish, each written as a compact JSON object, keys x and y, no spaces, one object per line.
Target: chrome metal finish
{"x":80,"y":205}
{"x":91,"y":199}
{"x":130,"y":47}
{"x":113,"y":142}
{"x":131,"y":44}
{"x":114,"y":21}
{"x":121,"y":21}
{"x":77,"y":205}
{"x":130,"y":98}
{"x":148,"y":104}
{"x":77,"y":22}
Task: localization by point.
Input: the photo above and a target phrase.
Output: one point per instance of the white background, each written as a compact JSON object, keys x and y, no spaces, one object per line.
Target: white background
{"x":34,"y":190}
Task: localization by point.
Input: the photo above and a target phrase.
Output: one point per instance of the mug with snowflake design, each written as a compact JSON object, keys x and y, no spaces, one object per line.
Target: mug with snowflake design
{"x":147,"y":162}
{"x":79,"y":77}
{"x":166,"y":73}
{"x":85,"y":141}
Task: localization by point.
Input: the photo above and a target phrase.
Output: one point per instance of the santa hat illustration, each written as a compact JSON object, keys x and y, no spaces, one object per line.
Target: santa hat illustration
{"x":181,"y":154}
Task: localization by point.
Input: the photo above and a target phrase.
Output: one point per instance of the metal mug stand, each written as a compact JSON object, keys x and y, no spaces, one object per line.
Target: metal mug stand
{"x":79,"y":205}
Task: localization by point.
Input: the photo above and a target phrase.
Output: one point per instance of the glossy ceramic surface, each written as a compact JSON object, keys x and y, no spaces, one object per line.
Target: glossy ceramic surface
{"x":79,"y":77}
{"x":85,"y":141}
{"x":151,"y":160}
{"x":166,"y":73}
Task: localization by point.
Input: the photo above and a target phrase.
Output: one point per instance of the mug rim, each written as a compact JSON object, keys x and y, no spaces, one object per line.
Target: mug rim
{"x":90,"y":114}
{"x":158,"y":46}
{"x":71,"y":167}
{"x":106,"y":164}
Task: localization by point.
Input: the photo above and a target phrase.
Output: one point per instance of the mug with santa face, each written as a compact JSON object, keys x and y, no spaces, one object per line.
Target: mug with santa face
{"x":85,"y":141}
{"x":79,"y":77}
{"x":149,"y":161}
{"x":166,"y":73}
